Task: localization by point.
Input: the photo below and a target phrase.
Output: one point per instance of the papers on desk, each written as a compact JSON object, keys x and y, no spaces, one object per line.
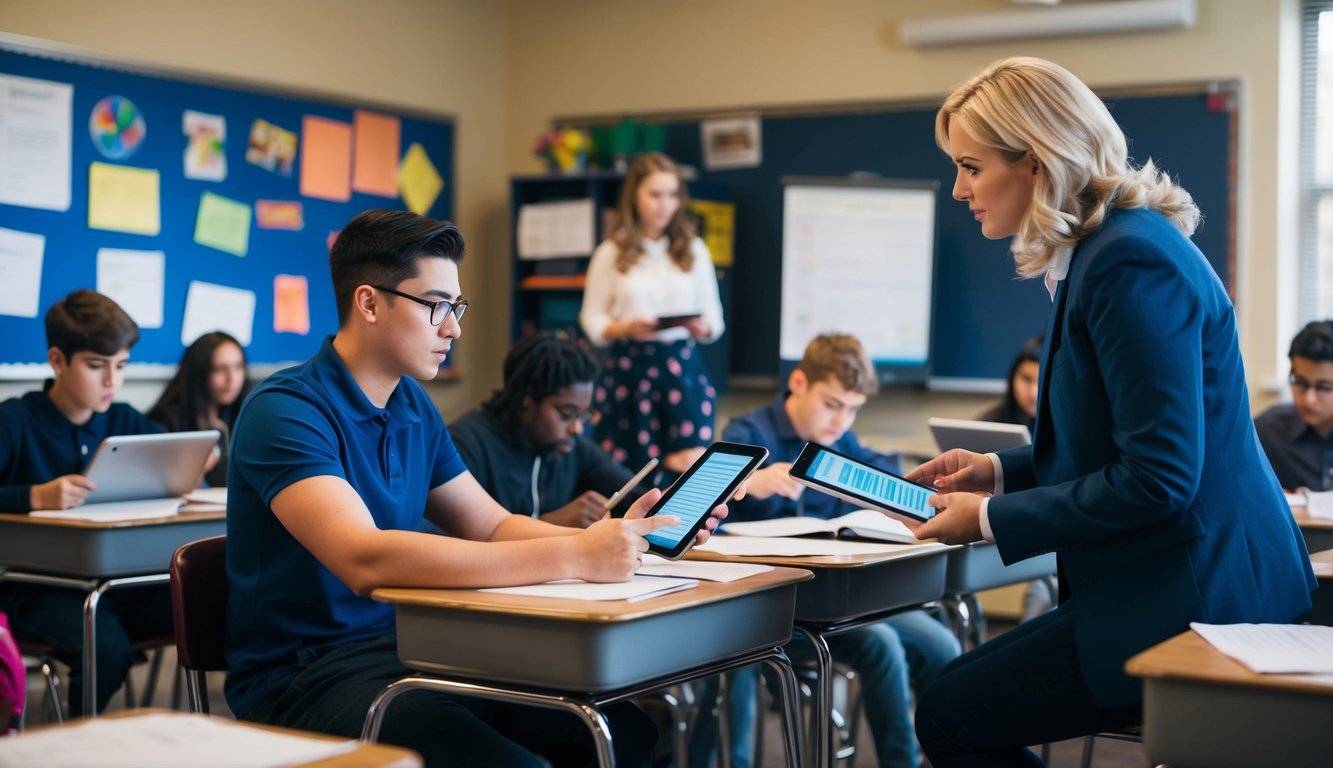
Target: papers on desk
{"x":164,"y":741}
{"x":637,"y":588}
{"x":764,"y":546}
{"x":208,"y":496}
{"x":703,"y":570}
{"x":1273,"y":648}
{"x":115,"y":511}
{"x":863,"y":523}
{"x":1319,"y":504}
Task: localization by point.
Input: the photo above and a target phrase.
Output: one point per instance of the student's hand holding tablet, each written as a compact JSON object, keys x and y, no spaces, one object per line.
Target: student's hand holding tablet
{"x":65,"y":492}
{"x":615,"y":546}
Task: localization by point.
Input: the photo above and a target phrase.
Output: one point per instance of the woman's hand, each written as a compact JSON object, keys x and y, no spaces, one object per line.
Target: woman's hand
{"x":698,"y":328}
{"x":957,"y":470}
{"x":634,"y":329}
{"x":957,"y":519}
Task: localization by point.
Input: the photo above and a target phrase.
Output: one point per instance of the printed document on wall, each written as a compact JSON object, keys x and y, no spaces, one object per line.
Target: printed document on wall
{"x":35,"y":135}
{"x":552,"y":230}
{"x":20,"y":272}
{"x":134,"y":280}
{"x":211,"y":307}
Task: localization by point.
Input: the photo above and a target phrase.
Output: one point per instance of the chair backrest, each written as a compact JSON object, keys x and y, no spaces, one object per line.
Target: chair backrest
{"x":199,"y":603}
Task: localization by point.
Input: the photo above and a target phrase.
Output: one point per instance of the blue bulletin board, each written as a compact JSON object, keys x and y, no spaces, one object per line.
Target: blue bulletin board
{"x":214,"y":237}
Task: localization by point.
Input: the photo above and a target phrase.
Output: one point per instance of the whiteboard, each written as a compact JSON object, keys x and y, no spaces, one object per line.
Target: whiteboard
{"x":858,"y":257}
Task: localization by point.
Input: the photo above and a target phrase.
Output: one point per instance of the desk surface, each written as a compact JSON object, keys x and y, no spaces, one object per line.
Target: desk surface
{"x":182,"y":517}
{"x":824,"y":561}
{"x":589,"y":610}
{"x":1325,"y":557}
{"x":1304,"y":520}
{"x":1189,"y":657}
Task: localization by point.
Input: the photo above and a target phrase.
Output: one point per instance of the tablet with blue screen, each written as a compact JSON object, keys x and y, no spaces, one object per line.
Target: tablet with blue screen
{"x":709,"y":482}
{"x":838,"y":474}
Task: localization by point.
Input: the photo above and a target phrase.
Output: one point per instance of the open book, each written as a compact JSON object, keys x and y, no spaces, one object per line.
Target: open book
{"x":863,"y":523}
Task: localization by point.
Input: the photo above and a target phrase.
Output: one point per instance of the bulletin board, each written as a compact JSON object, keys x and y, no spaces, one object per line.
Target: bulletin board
{"x":198,"y":203}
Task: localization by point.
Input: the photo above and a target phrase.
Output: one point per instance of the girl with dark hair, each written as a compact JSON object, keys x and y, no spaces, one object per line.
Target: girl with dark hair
{"x":206,"y":393}
{"x":1019,"y":405}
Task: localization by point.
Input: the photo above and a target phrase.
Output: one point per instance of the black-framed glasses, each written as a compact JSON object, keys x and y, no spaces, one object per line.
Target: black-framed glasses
{"x":438,"y":309}
{"x":1323,"y":387}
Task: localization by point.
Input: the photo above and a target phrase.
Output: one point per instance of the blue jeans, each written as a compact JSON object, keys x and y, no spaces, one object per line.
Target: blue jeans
{"x":910,"y":647}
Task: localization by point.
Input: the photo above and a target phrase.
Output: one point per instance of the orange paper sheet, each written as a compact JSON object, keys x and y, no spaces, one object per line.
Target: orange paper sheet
{"x":375,"y":159}
{"x":279,"y":214}
{"x":326,"y":159}
{"x":291,"y":304}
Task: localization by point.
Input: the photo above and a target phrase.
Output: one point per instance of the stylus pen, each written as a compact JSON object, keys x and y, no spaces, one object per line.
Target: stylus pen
{"x":633,"y":481}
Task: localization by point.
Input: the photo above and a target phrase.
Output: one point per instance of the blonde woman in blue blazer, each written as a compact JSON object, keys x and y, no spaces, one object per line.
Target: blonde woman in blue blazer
{"x":1145,"y":475}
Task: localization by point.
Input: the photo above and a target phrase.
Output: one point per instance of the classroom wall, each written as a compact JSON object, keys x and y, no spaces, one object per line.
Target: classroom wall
{"x":607,"y":57}
{"x":438,"y":55}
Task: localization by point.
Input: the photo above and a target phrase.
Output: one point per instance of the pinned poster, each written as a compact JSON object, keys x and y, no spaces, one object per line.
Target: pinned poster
{"x":326,"y":159}
{"x":271,"y":147}
{"x":223,"y":223}
{"x":35,"y":142}
{"x":123,"y":199}
{"x":279,"y":214}
{"x":134,"y":280}
{"x":418,"y":180}
{"x":210,"y":307}
{"x":20,"y":271}
{"x":291,"y":304}
{"x":206,"y":136}
{"x":375,"y":154}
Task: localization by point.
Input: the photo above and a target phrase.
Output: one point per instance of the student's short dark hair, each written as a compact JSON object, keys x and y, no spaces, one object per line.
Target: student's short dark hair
{"x":1314,"y":342}
{"x":538,"y":366}
{"x":381,"y":247}
{"x":87,"y":321}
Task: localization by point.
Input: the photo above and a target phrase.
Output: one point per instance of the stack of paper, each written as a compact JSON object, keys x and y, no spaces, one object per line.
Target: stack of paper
{"x":115,"y":511}
{"x":1319,"y":504}
{"x":764,"y":546}
{"x":1273,"y":648}
{"x":703,"y":570}
{"x":637,"y":588}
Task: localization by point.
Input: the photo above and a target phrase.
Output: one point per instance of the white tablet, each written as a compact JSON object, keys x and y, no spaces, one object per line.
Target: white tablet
{"x":133,"y":467}
{"x":978,"y":436}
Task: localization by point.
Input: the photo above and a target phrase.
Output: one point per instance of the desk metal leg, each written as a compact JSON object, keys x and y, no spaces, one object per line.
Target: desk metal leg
{"x":90,"y":632}
{"x":821,"y":727}
{"x":791,"y":706}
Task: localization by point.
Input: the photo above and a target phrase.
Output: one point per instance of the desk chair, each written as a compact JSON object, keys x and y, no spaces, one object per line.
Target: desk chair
{"x":1133,"y":734}
{"x":198,"y":604}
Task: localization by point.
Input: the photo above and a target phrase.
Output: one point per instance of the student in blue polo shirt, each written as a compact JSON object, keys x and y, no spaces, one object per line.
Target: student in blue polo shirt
{"x":825,"y":391}
{"x":46,"y":441}
{"x":334,"y":464}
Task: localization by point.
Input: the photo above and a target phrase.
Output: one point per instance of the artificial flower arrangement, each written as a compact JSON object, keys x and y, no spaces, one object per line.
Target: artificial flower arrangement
{"x":565,"y":151}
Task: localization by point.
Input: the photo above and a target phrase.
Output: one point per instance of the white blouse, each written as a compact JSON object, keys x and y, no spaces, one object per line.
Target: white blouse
{"x":654,"y":287}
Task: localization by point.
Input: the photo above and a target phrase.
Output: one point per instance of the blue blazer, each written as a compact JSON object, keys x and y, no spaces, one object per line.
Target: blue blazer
{"x":1145,"y":475}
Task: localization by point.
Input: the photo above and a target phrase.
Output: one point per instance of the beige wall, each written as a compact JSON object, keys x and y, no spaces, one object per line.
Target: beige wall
{"x":439,"y":55}
{"x":614,"y":56}
{"x":504,"y":69}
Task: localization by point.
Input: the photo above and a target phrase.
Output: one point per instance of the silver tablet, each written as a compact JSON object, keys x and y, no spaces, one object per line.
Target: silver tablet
{"x":132,"y":467}
{"x":978,"y":436}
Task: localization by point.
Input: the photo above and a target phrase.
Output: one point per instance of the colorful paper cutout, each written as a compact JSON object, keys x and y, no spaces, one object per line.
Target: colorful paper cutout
{"x":279,"y":214}
{"x":117,"y":127}
{"x":271,"y":148}
{"x":291,"y":304}
{"x":419,"y":181}
{"x":326,"y":159}
{"x":205,"y":158}
{"x":223,"y":224}
{"x":123,"y":199}
{"x":375,"y":155}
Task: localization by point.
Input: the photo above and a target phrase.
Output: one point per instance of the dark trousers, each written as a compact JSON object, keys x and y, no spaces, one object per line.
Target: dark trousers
{"x":54,"y":616}
{"x":1020,"y":689}
{"x":333,"y":691}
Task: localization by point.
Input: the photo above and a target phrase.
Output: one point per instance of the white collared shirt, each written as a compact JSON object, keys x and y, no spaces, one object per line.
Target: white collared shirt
{"x":655,"y":286}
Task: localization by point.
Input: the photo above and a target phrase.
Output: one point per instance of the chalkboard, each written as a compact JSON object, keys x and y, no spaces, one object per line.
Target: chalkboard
{"x":374,"y":150}
{"x":982,"y":312}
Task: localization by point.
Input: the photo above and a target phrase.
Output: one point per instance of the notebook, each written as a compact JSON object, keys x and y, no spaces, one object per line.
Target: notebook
{"x":978,"y":436}
{"x":134,"y":467}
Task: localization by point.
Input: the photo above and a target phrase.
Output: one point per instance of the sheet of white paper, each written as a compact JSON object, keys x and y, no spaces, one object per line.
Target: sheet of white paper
{"x":208,"y":496}
{"x":1319,"y":504}
{"x":211,"y":307}
{"x":134,"y":280}
{"x":796,"y":547}
{"x":1273,"y":648}
{"x":165,"y":741}
{"x":864,"y":519}
{"x":637,"y":588}
{"x":1322,"y":569}
{"x":552,"y":230}
{"x":36,"y":129}
{"x":20,"y":271}
{"x":703,"y":570}
{"x":113,"y":511}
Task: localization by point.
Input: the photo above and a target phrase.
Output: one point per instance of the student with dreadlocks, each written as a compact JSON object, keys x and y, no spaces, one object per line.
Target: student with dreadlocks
{"x":526,"y":444}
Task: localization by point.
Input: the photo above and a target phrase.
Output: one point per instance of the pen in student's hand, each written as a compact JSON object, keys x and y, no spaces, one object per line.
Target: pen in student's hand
{"x":633,"y":481}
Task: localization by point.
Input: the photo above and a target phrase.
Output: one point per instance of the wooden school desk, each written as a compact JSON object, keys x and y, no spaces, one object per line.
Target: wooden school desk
{"x":846,"y":593}
{"x":581,"y":655}
{"x":95,"y":558}
{"x":1201,"y":708}
{"x":1318,"y":532}
{"x":977,"y":567}
{"x":363,"y":756}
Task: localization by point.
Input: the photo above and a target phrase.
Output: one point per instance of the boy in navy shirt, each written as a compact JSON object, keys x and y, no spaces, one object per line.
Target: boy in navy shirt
{"x":830,"y":384}
{"x":334,"y":464}
{"x":46,"y":441}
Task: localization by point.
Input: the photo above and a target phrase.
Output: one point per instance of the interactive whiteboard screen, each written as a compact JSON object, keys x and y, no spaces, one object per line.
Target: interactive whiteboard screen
{"x":858,"y":257}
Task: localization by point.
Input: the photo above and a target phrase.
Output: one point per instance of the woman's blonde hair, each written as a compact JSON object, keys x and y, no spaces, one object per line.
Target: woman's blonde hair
{"x":679,"y":231}
{"x":1020,"y":105}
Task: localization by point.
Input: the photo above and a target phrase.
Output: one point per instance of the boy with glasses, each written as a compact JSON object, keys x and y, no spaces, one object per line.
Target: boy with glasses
{"x":526,"y":445}
{"x":1298,"y":438}
{"x":335,"y":463}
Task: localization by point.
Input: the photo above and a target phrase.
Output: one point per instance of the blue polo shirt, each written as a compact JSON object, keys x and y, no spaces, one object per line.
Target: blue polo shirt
{"x":769,"y":426}
{"x":38,"y":444}
{"x":311,"y":420}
